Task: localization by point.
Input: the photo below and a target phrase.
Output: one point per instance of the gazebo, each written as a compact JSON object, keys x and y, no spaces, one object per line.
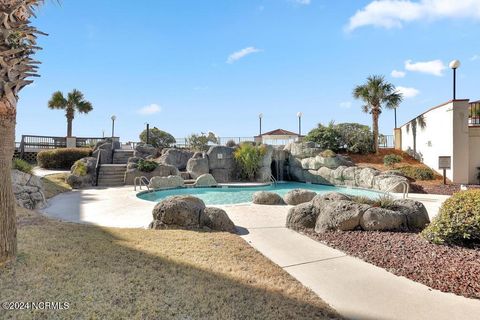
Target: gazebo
{"x":278,"y":137}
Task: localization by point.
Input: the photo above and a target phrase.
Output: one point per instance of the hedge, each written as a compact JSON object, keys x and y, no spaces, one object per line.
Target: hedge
{"x":61,"y":158}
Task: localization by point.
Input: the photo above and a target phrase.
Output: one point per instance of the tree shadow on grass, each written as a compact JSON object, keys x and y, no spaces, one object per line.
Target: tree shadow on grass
{"x":149,"y":274}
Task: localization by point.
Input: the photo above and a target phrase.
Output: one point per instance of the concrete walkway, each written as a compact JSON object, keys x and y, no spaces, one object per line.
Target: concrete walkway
{"x":356,"y":289}
{"x":40,"y":172}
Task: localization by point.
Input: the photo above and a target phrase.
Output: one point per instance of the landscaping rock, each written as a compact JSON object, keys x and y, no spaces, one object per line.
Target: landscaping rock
{"x":28,"y":190}
{"x":197,"y":166}
{"x":302,"y":150}
{"x":263,"y":174}
{"x":267,"y":198}
{"x":217,"y":219}
{"x":298,"y":196}
{"x":384,"y":182}
{"x":206,"y":180}
{"x":366,"y":176}
{"x":415,"y":212}
{"x":145,"y":151}
{"x":339,"y":215}
{"x":221,"y":157}
{"x":320,"y":198}
{"x":178,"y":212}
{"x":175,"y":157}
{"x":166,"y":182}
{"x":223,"y":175}
{"x":302,"y":216}
{"x":162,"y":170}
{"x":76,"y":180}
{"x":315,"y":163}
{"x":380,"y":219}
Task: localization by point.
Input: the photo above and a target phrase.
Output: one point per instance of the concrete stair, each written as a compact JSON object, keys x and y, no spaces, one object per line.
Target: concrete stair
{"x":121,"y":156}
{"x":111,"y":175}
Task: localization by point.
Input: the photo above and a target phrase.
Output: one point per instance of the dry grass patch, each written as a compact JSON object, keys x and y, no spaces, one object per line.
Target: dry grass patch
{"x":55,"y":184}
{"x":148,"y":274}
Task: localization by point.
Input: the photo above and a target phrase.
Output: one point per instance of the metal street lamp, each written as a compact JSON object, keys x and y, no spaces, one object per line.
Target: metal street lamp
{"x":260,"y":116}
{"x":454,"y":65}
{"x":395,"y":115}
{"x":299,"y":115}
{"x":113,"y":125}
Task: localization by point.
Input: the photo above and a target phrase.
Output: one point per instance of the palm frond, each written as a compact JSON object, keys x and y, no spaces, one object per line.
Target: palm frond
{"x":57,"y":101}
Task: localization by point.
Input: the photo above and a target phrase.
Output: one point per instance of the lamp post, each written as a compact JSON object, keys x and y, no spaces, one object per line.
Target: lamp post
{"x":148,"y":133}
{"x":113,"y":125}
{"x":260,"y":116}
{"x":395,"y":116}
{"x":454,"y":65}
{"x":299,"y":115}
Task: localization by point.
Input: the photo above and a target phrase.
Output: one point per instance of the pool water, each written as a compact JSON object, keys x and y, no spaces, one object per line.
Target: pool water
{"x":235,"y":195}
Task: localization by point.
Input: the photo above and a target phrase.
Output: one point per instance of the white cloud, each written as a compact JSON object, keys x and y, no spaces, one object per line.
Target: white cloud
{"x":398,"y":74}
{"x":150,"y":109}
{"x":346,"y":105}
{"x":408,"y":92}
{"x":434,"y":67}
{"x":475,"y":57}
{"x":395,"y":13}
{"x":303,"y":2}
{"x":241,"y":54}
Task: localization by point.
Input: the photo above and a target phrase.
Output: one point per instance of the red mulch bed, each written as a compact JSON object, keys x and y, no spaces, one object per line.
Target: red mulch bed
{"x":446,"y":268}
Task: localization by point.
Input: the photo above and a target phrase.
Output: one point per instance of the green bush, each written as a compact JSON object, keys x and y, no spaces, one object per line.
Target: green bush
{"x":157,"y":138}
{"x":231,"y":144}
{"x":458,"y":221}
{"x":327,"y":137}
{"x":249,"y":157}
{"x":146,"y":165}
{"x":391,"y":159}
{"x":61,"y":158}
{"x":22,"y":165}
{"x":328,"y":154}
{"x":417,"y":173}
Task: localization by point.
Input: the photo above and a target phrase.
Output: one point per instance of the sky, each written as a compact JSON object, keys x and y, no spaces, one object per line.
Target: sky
{"x":214,"y":65}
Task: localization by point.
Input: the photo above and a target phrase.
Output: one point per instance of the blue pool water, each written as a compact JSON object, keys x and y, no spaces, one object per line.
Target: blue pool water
{"x":234,"y":195}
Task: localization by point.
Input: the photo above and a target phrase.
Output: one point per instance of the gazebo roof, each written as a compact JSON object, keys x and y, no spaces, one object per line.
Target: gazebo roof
{"x":279,"y":132}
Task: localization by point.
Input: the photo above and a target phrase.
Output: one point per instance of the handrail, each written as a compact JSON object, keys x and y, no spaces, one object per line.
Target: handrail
{"x":273,"y":180}
{"x":97,"y":167}
{"x":143,"y":180}
{"x":406,"y":188}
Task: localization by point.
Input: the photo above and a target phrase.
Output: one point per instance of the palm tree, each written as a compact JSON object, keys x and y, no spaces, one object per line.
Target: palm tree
{"x":74,"y":102}
{"x":376,"y":94}
{"x":18,"y":41}
{"x":417,"y":122}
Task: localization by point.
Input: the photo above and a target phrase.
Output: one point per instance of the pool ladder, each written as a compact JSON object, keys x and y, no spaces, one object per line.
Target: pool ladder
{"x":273,"y":180}
{"x":141,"y":181}
{"x":406,"y":188}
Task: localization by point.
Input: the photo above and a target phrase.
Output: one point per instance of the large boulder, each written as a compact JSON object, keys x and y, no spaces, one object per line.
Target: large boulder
{"x":175,"y":157}
{"x":389,"y":182}
{"x":338,"y":215}
{"x":302,"y":150}
{"x":315,"y":163}
{"x":298,"y":196}
{"x":221,"y":157}
{"x":319,"y":199}
{"x":82,"y":173}
{"x":414,"y":211}
{"x":104,"y":150}
{"x":205,"y":180}
{"x":197,"y":166}
{"x":302,"y":216}
{"x":380,"y":219}
{"x":223,"y":175}
{"x":263,"y":174}
{"x":216,"y":219}
{"x":145,"y":151}
{"x":267,"y":198}
{"x":162,"y":170}
{"x":178,"y":212}
{"x":28,"y":190}
{"x":365,"y":177}
{"x":166,"y":182}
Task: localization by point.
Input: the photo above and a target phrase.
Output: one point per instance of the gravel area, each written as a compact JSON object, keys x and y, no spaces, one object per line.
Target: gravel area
{"x":439,"y":188}
{"x":446,"y":268}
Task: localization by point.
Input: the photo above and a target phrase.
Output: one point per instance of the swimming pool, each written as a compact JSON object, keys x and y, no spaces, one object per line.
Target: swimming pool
{"x":235,"y":195}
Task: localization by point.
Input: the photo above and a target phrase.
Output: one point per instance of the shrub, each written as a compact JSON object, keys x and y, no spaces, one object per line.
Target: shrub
{"x":328,"y":154}
{"x":79,"y":168}
{"x":249,"y":157}
{"x":157,"y":138}
{"x":417,"y":173}
{"x":382,"y":201}
{"x":391,"y":159}
{"x":22,"y":165}
{"x":231,"y":144}
{"x":200,"y":142}
{"x":458,"y":221}
{"x":327,"y":137}
{"x":146,"y":165}
{"x":61,"y":158}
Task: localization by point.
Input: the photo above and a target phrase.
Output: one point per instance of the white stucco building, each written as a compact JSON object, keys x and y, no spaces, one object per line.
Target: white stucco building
{"x":451,"y":129}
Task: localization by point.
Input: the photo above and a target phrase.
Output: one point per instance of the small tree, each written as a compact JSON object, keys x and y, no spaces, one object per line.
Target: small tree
{"x":74,"y":102}
{"x":157,"y":138}
{"x":327,"y":137}
{"x":249,"y":158}
{"x":200,"y":142}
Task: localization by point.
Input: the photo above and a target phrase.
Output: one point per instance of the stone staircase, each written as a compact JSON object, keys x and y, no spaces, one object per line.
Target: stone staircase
{"x":111,"y":175}
{"x":121,"y":156}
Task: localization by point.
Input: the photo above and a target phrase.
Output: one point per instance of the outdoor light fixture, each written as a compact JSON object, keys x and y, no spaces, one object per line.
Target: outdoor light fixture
{"x":113,"y":125}
{"x":260,"y":116}
{"x":148,"y":133}
{"x":454,"y":65}
{"x":299,"y":115}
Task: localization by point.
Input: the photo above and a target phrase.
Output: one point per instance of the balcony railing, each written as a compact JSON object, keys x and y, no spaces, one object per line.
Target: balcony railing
{"x":474,"y":116}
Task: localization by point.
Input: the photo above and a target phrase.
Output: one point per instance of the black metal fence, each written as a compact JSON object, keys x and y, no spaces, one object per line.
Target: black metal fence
{"x":474,"y":116}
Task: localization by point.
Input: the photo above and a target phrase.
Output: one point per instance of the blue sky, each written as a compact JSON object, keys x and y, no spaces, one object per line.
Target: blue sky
{"x":191,"y":66}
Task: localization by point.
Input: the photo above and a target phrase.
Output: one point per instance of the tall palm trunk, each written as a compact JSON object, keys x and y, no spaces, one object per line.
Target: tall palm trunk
{"x":8,"y":230}
{"x":70,"y":115}
{"x":375,"y":116}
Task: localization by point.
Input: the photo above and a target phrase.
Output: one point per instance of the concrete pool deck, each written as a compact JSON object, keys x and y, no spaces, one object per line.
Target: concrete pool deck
{"x":356,"y":289}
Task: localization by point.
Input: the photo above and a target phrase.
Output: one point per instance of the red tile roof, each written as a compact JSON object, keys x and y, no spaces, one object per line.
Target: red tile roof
{"x":279,"y":132}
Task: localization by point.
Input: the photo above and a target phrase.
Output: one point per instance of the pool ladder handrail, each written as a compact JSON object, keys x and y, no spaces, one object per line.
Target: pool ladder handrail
{"x":142,"y":181}
{"x":273,"y":180}
{"x":406,"y":188}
